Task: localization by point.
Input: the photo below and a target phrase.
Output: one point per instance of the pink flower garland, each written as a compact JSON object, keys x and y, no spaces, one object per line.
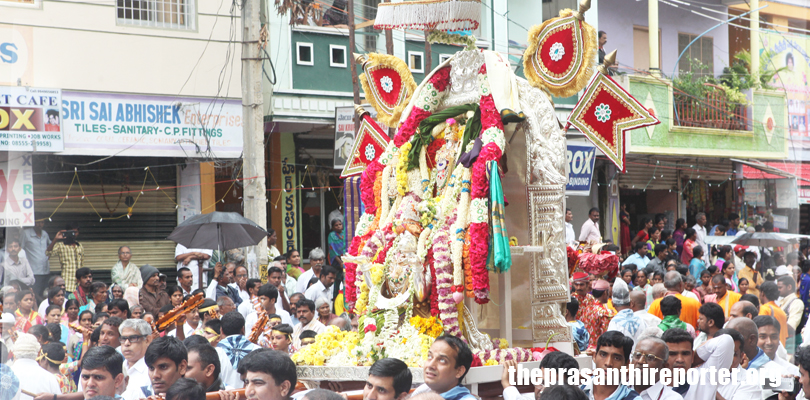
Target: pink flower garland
{"x":367,"y":186}
{"x":448,"y":312}
{"x":351,"y":271}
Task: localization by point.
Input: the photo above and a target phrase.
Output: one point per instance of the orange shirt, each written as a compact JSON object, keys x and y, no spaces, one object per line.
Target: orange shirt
{"x":728,"y":301}
{"x":773,"y":310}
{"x":689,"y":308}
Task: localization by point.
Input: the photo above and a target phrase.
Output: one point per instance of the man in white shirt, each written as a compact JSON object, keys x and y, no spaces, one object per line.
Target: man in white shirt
{"x":651,"y":353}
{"x":307,"y":321}
{"x":790,"y":303}
{"x":267,"y":298}
{"x":35,"y":242}
{"x":700,"y":228}
{"x":715,"y":354}
{"x":322,"y":288}
{"x":16,"y":267}
{"x":33,"y":378}
{"x":136,"y":334}
{"x":316,"y":260}
{"x":247,"y":307}
{"x":570,"y":236}
{"x":768,"y":340}
{"x":638,"y":301}
{"x":590,"y":229}
{"x":185,"y":280}
{"x":194,"y":260}
{"x":274,"y":276}
{"x":744,"y":390}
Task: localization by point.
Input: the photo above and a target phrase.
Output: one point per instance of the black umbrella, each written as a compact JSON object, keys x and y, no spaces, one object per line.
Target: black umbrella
{"x":761,"y":239}
{"x":218,"y":231}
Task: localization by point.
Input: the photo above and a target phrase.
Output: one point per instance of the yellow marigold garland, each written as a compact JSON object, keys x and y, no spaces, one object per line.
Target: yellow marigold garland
{"x":328,"y":344}
{"x":362,"y":301}
{"x":428,"y":326}
{"x":402,"y":169}
{"x":377,"y":272}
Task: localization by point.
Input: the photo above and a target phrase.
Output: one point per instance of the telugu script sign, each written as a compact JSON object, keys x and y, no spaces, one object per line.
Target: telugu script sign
{"x":111,"y":124}
{"x":29,"y":119}
{"x":16,"y":189}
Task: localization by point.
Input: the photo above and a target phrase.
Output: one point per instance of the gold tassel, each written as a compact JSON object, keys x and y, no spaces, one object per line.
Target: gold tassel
{"x":590,"y":46}
{"x":388,"y":117}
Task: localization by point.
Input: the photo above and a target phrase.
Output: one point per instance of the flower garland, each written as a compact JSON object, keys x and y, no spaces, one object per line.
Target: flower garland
{"x":432,"y":94}
{"x":434,"y":293}
{"x":500,"y":355}
{"x":448,"y":311}
{"x":429,"y":326}
{"x":436,"y":36}
{"x":468,"y":278}
{"x":492,"y":141}
{"x":459,"y":231}
{"x":327,"y":348}
{"x":402,"y":169}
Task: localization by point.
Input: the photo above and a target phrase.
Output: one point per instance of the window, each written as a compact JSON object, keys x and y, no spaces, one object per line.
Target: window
{"x":337,"y":56}
{"x":176,"y":14}
{"x":444,"y":57}
{"x":416,"y":61}
{"x":304,"y":54}
{"x":702,"y":50}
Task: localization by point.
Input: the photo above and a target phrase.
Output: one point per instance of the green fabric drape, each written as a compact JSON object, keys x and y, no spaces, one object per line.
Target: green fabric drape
{"x":499,"y":250}
{"x":671,"y":321}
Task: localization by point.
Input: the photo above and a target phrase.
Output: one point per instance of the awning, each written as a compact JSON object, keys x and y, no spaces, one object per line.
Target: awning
{"x":775,"y":170}
{"x":726,"y":240}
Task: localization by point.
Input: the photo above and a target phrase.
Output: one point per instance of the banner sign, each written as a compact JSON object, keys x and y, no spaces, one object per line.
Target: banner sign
{"x":344,"y":135}
{"x":16,"y":54}
{"x":289,"y":197}
{"x":16,"y":189}
{"x":151,"y":126}
{"x":29,"y":119}
{"x":580,"y":160}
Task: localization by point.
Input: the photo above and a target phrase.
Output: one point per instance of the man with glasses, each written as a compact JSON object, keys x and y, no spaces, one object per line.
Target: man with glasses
{"x":316,"y":260}
{"x":135,"y":338}
{"x":240,"y":276}
{"x":651,"y":354}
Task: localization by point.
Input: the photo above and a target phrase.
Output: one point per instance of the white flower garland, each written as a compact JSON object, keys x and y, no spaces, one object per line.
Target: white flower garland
{"x":385,"y":201}
{"x":457,"y":231}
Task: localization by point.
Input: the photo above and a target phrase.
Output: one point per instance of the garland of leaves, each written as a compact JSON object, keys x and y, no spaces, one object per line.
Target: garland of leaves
{"x":441,"y":37}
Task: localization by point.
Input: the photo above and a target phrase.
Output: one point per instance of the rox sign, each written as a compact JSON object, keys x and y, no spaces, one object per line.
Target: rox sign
{"x":580,"y":169}
{"x":30,"y":119}
{"x":24,"y":112}
{"x":16,"y":190}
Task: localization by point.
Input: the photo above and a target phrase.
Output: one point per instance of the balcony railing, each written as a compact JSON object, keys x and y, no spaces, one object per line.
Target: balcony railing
{"x":711,"y":111}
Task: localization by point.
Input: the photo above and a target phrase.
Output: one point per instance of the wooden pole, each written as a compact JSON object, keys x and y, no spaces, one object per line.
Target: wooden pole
{"x":353,"y":49}
{"x":428,"y":57}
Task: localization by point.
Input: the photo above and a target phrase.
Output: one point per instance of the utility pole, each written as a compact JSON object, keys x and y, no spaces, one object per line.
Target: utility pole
{"x":254,"y":195}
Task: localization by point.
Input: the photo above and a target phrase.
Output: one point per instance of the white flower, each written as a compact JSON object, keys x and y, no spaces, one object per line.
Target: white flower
{"x":557,"y":51}
{"x":387,"y":84}
{"x":370,"y":152}
{"x":602,"y":112}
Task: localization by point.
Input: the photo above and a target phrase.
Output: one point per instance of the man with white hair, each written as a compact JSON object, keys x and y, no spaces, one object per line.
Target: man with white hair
{"x":625,"y":321}
{"x":136,"y":334}
{"x":316,"y":260}
{"x":33,"y":378}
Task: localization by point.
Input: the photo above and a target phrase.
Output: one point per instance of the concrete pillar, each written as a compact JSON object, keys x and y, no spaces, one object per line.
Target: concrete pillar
{"x":652,"y":17}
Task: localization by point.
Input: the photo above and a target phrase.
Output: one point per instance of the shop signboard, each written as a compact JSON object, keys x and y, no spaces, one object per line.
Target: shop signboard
{"x":288,"y":197}
{"x":29,"y":119}
{"x":580,"y":161}
{"x":344,"y":135}
{"x":804,"y":195}
{"x":101,"y":124}
{"x":16,"y":189}
{"x":16,"y":53}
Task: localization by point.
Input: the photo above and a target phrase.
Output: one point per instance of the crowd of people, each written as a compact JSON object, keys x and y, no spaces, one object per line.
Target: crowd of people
{"x":679,"y":295}
{"x":673,"y":303}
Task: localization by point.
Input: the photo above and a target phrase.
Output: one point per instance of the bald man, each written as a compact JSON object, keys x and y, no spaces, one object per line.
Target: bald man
{"x":743,"y":308}
{"x":756,"y":356}
{"x":637,"y":301}
{"x":748,"y":329}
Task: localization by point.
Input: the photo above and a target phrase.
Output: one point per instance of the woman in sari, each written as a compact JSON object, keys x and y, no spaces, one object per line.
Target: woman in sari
{"x":688,"y":244}
{"x":679,"y":234}
{"x":624,"y":217}
{"x":337,"y":242}
{"x":124,"y":272}
{"x":25,"y":314}
{"x":643,"y":232}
